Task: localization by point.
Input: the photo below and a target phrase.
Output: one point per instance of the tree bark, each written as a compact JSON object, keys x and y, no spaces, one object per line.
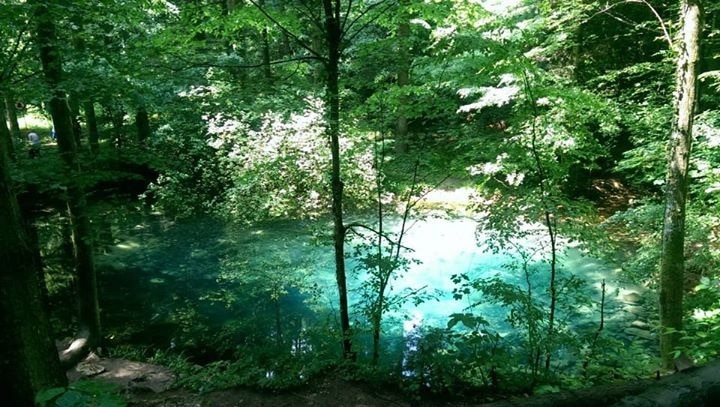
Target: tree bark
{"x":91,"y":120}
{"x":672,"y":262}
{"x":12,"y":116}
{"x":117,"y":118}
{"x":28,"y":359}
{"x":332,"y":94}
{"x":142,"y":123}
{"x":403,"y":79}
{"x":89,"y":315}
{"x":267,"y":68}
{"x":6,"y":137}
{"x":74,"y":105}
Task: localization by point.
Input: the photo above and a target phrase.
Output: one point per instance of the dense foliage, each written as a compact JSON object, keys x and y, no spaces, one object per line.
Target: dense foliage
{"x":556,"y":114}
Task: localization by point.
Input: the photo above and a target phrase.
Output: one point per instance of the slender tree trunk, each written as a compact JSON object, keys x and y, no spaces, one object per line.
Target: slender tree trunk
{"x":332,"y":90}
{"x":74,"y":105}
{"x":403,"y":79}
{"x":142,"y":122}
{"x":89,"y":316}
{"x":12,"y":116}
{"x":278,"y":322}
{"x":28,"y":359}
{"x":117,"y":117}
{"x":377,"y":309}
{"x":548,"y":218}
{"x":267,"y":69}
{"x":91,"y":120}
{"x":6,"y":137}
{"x":672,"y":262}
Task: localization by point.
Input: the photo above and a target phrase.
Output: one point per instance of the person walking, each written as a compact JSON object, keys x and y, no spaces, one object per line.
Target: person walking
{"x":34,"y":140}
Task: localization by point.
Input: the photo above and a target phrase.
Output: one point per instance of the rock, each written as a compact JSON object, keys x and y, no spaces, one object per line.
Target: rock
{"x":683,"y":363}
{"x":87,"y":369}
{"x":640,"y":324}
{"x":632,"y":297}
{"x":635,"y":309}
{"x":124,"y":373}
{"x":640,"y":333}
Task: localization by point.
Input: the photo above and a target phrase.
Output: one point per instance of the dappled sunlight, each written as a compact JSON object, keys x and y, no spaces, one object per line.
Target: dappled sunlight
{"x":128,"y":245}
{"x":460,"y":195}
{"x":700,"y":314}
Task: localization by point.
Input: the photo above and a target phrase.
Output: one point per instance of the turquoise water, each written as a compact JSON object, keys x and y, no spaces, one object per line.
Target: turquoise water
{"x":167,"y":283}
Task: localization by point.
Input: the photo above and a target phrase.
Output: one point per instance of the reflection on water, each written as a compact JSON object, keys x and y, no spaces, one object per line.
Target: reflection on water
{"x":412,"y":334}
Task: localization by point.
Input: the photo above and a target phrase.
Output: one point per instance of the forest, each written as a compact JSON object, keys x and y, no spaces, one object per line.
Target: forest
{"x":359,"y":202}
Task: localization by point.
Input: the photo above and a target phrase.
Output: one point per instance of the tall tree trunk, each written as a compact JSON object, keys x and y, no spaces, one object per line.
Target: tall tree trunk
{"x":74,"y":105}
{"x":12,"y":115}
{"x":403,"y":79}
{"x":332,"y":94}
{"x":28,"y":359}
{"x":142,"y":123}
{"x":117,"y":118}
{"x":672,"y":262}
{"x":267,"y":69}
{"x":89,"y":315}
{"x":91,"y":120}
{"x":6,"y":137}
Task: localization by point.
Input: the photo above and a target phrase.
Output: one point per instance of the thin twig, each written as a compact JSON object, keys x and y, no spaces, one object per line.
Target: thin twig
{"x":425,"y":193}
{"x":351,"y":226}
{"x":204,"y":64}
{"x":663,"y":26}
{"x":597,"y":333}
{"x":406,"y":212}
{"x":343,"y":34}
{"x":288,"y":32}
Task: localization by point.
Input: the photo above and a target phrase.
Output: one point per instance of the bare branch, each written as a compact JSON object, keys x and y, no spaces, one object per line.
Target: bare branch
{"x":408,"y":207}
{"x":425,"y":193}
{"x":310,"y":14}
{"x":663,"y":26}
{"x":346,"y":30}
{"x":351,"y":226}
{"x":347,"y":16}
{"x":408,"y":294}
{"x":287,"y":32}
{"x":14,"y":55}
{"x":206,"y":64}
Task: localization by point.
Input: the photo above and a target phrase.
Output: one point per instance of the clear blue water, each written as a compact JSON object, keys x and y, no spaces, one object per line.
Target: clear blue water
{"x":202,"y":277}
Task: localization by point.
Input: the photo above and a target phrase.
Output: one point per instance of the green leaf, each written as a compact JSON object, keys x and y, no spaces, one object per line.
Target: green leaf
{"x":48,"y":394}
{"x":72,"y":398}
{"x":468,"y":320}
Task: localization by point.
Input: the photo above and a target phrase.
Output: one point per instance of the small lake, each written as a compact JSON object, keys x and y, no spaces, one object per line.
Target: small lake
{"x":205,"y":286}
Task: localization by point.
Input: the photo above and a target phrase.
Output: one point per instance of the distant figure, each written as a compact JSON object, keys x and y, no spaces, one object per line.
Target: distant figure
{"x":77,"y":129}
{"x":53,"y":135}
{"x":34,"y":140}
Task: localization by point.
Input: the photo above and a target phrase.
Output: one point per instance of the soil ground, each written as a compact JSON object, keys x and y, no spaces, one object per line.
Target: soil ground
{"x":146,"y":384}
